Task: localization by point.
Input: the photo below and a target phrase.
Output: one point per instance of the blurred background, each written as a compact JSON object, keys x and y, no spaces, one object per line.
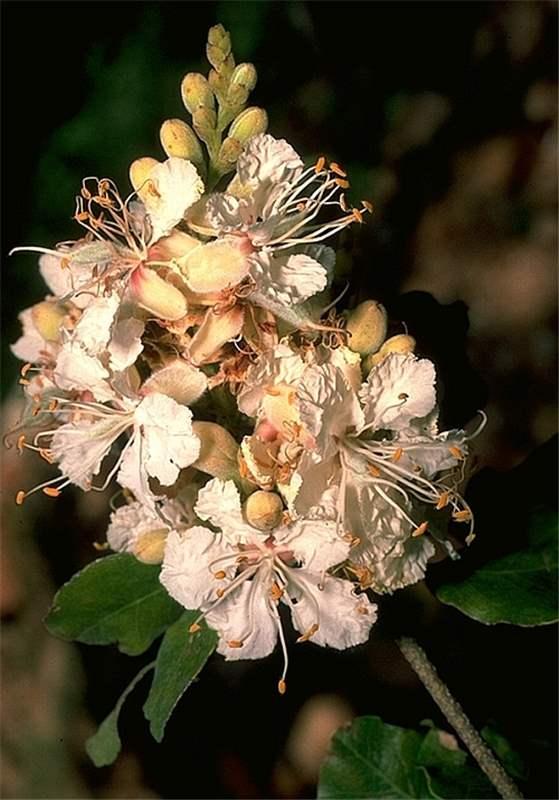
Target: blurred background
{"x":444,"y":114}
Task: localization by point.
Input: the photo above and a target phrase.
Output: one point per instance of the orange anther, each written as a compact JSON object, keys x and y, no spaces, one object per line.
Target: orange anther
{"x":343,"y":204}
{"x":342,"y":183}
{"x":363,"y":610}
{"x":307,"y":635}
{"x":25,"y":369}
{"x":53,"y":405}
{"x":462,"y":516}
{"x":319,"y":166}
{"x":282,"y":687}
{"x":367,"y":206}
{"x":337,"y":169}
{"x":36,"y":410}
{"x":220,"y":592}
{"x":51,"y":491}
{"x":456,"y":452}
{"x":20,"y":497}
{"x":82,"y":216}
{"x":220,"y":575}
{"x":443,"y":500}
{"x":420,"y":530}
{"x":65,"y":263}
{"x":24,"y":382}
{"x":357,"y":215}
{"x":276,"y":592}
{"x":194,"y":628}
{"x":397,"y":455}
{"x":235,"y":643}
{"x":374,"y":471}
{"x":20,"y":442}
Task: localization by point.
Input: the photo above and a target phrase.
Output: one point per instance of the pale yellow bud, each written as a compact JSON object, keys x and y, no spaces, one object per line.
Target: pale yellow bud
{"x":242,"y":82}
{"x":178,"y":139}
{"x":402,"y":343}
{"x":264,"y":510}
{"x":367,"y":326}
{"x":196,"y":92}
{"x":205,"y":121}
{"x":177,"y":379}
{"x":47,"y":318}
{"x":139,"y":174}
{"x":150,"y":547}
{"x":249,"y":123}
{"x":218,"y":451}
{"x":217,"y":265}
{"x":155,"y":294}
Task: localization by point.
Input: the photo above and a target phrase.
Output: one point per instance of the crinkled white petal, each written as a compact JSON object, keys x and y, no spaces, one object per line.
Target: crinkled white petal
{"x":267,"y":159}
{"x":80,"y":447}
{"x":186,"y":572}
{"x":128,"y":523}
{"x":246,"y":616}
{"x":93,"y":330}
{"x":399,"y":389}
{"x":132,"y":474}
{"x":280,"y":366}
{"x":75,"y":369}
{"x":220,"y":504}
{"x":316,"y":544}
{"x":287,"y":279}
{"x":344,"y":619}
{"x":168,"y":441}
{"x":177,"y":186}
{"x":126,"y":343}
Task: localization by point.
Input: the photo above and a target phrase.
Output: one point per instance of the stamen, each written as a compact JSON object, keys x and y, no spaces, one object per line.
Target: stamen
{"x":307,"y":635}
{"x":443,"y":500}
{"x":456,"y":452}
{"x":220,"y":575}
{"x":342,"y":183}
{"x":235,"y":643}
{"x":51,"y":491}
{"x":20,"y":497}
{"x":25,"y":369}
{"x":282,"y":687}
{"x":319,"y":166}
{"x":194,"y":628}
{"x":420,"y":530}
{"x":357,"y":215}
{"x":337,"y":169}
{"x":462,"y":516}
{"x":368,"y":206}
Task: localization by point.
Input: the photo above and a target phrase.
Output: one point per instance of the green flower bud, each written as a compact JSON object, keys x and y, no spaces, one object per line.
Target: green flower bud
{"x":249,"y":123}
{"x":244,"y":75}
{"x":367,"y":326}
{"x":196,"y":92}
{"x":205,"y":121}
{"x":178,"y":139}
{"x":264,"y":510}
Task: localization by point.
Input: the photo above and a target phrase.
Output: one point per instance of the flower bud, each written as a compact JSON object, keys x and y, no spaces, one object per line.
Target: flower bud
{"x":155,"y":294}
{"x":47,"y":318}
{"x":196,"y":92}
{"x":150,"y":547}
{"x":228,"y":154}
{"x":218,"y":451}
{"x":402,"y":343}
{"x":178,"y":139}
{"x":249,"y":123}
{"x":263,"y":510}
{"x":205,"y":121}
{"x":367,"y":325}
{"x":218,"y":48}
{"x":242,"y":82}
{"x":139,"y":172}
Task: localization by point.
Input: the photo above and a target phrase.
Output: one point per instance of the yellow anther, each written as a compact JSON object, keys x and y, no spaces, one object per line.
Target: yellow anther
{"x":282,"y":687}
{"x":462,"y":516}
{"x":420,"y":530}
{"x":220,"y":592}
{"x":20,"y":497}
{"x":456,"y":452}
{"x":194,"y":628}
{"x":51,"y":491}
{"x":337,"y":169}
{"x":367,"y":206}
{"x":235,"y":643}
{"x":357,"y":215}
{"x":319,"y":166}
{"x":276,"y":592}
{"x":53,"y":405}
{"x":397,"y":455}
{"x":220,"y":575}
{"x":20,"y":444}
{"x":36,"y":410}
{"x":82,"y":216}
{"x":342,"y":183}
{"x":443,"y":500}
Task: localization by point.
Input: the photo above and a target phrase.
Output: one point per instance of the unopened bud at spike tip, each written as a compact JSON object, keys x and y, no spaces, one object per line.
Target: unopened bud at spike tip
{"x":218,"y":48}
{"x":155,"y":294}
{"x":250,"y":122}
{"x":402,"y":343}
{"x":264,"y":510}
{"x":367,"y":325}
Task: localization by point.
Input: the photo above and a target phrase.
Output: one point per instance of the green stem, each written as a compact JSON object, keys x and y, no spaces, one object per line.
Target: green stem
{"x":453,"y":712}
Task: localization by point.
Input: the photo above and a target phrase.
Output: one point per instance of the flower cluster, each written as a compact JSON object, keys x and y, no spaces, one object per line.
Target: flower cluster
{"x":199,"y":292}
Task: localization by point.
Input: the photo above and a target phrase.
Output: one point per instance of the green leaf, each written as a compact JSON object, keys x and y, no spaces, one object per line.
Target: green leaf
{"x":518,"y":589}
{"x":509,"y":758}
{"x":104,"y":746}
{"x":181,"y":657}
{"x":115,"y":599}
{"x":371,"y":759}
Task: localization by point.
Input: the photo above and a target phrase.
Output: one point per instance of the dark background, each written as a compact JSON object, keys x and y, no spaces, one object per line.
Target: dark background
{"x":444,"y":115}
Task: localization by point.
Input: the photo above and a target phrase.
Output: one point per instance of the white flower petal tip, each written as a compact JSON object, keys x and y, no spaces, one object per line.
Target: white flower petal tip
{"x":168,"y":191}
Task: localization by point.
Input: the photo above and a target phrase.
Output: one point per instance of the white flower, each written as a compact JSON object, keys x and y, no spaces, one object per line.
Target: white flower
{"x":32,"y":347}
{"x":171,"y":188}
{"x":142,"y":531}
{"x":238,"y":577}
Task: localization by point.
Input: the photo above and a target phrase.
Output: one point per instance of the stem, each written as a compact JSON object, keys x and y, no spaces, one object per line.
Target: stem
{"x":453,"y":712}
